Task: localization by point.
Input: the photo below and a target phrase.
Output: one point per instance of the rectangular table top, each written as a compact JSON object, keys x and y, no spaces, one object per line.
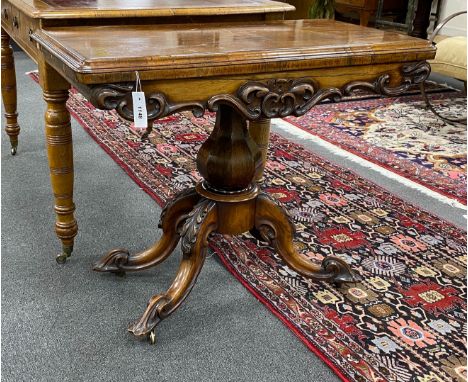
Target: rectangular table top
{"x":204,"y":50}
{"x":69,"y":9}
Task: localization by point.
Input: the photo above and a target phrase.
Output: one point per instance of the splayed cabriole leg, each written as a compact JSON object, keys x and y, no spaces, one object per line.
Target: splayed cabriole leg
{"x":9,"y":92}
{"x":60,"y":156}
{"x":194,"y":236}
{"x":172,"y":218}
{"x":275,"y":226}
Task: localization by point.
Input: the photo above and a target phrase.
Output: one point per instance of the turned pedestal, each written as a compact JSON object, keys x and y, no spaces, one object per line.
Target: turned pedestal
{"x":227,"y":201}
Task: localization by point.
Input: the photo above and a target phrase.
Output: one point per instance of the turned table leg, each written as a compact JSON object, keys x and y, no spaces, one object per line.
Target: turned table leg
{"x":9,"y":92}
{"x":260,"y":133}
{"x":60,"y":155}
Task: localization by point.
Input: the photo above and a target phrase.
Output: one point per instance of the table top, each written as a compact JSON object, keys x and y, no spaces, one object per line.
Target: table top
{"x":203,"y":50}
{"x":62,"y":9}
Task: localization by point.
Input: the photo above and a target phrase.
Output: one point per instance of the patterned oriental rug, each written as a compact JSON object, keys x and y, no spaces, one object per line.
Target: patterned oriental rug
{"x":405,"y":322}
{"x":392,"y":133}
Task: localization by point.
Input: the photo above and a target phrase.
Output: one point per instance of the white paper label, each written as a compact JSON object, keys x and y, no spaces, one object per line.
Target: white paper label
{"x":140,"y":116}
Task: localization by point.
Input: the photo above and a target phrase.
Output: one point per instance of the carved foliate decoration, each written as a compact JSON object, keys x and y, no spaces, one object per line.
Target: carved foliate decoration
{"x":189,"y":233}
{"x":274,"y":98}
{"x":119,"y":98}
{"x":414,"y":73}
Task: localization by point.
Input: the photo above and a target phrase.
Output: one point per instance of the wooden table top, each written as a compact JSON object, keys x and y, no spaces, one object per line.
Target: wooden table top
{"x":204,"y":50}
{"x":69,"y":9}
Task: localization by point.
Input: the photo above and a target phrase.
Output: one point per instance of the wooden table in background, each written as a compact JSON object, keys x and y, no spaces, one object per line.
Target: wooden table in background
{"x":365,"y":8}
{"x":22,"y":18}
{"x":243,"y":72}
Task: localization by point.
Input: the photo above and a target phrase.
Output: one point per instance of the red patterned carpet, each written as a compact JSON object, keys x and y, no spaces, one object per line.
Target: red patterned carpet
{"x":405,"y":322}
{"x":391,"y":133}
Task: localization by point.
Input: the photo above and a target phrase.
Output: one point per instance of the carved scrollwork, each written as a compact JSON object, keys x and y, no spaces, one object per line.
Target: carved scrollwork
{"x":112,"y":96}
{"x":119,"y":97}
{"x":189,"y":233}
{"x":113,"y":261}
{"x":154,"y":313}
{"x":414,"y":73}
{"x":338,"y":270}
{"x":275,"y":98}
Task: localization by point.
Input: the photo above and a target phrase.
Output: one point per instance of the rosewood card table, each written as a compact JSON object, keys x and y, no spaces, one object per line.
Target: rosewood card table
{"x":21,"y":18}
{"x":243,"y":72}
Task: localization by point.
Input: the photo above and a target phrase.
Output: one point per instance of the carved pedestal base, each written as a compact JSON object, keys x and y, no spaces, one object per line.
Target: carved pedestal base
{"x":190,"y":218}
{"x":228,"y":201}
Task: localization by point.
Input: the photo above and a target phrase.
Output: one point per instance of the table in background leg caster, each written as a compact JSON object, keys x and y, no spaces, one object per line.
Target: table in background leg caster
{"x":60,"y":156}
{"x":9,"y":92}
{"x":66,"y":253}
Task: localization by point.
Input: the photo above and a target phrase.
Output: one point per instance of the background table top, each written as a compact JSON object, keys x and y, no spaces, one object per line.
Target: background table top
{"x":56,"y":9}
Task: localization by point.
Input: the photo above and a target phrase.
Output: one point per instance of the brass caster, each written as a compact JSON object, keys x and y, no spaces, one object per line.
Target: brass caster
{"x":67,"y":250}
{"x":152,"y":337}
{"x":62,"y":258}
{"x":66,"y":253}
{"x":13,"y":151}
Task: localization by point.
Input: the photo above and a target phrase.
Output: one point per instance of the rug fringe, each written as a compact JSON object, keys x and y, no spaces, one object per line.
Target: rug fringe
{"x":299,"y":133}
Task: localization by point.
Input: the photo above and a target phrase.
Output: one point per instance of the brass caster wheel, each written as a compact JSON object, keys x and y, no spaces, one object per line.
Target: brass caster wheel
{"x":62,"y":258}
{"x":13,"y":151}
{"x":66,"y":253}
{"x":152,"y":337}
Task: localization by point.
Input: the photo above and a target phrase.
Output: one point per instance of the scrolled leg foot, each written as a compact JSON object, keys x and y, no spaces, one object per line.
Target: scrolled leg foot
{"x":153,"y":314}
{"x":113,"y":261}
{"x":276,"y":228}
{"x":257,"y":234}
{"x":339,"y":270}
{"x":13,"y":150}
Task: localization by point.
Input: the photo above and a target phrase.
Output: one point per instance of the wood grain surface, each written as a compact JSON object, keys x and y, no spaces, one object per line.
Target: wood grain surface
{"x":54,"y":9}
{"x":228,"y":48}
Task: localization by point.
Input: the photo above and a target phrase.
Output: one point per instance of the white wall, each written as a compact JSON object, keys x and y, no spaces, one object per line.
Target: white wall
{"x":456,"y":26}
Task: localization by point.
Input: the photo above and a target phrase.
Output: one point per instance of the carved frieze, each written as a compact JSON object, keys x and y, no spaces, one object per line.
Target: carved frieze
{"x":413,"y":74}
{"x":273,"y":98}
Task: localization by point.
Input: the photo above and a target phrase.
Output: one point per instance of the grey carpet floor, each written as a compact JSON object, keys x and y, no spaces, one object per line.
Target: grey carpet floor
{"x":67,"y":323}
